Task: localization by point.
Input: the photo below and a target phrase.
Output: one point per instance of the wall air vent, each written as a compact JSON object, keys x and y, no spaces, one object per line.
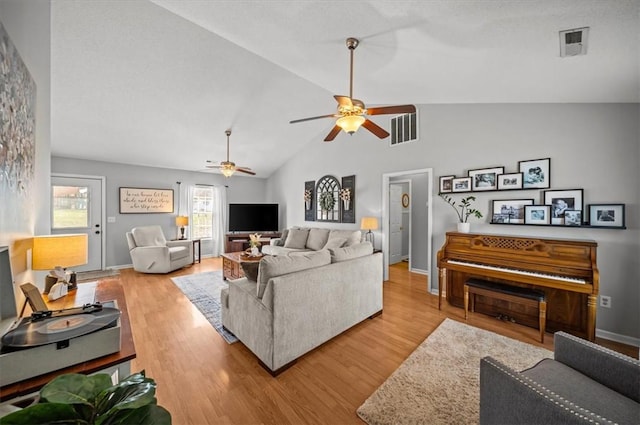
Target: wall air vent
{"x":404,"y":129}
{"x":574,"y":42}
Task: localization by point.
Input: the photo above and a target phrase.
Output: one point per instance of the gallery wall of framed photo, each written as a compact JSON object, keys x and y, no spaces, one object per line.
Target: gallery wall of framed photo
{"x":555,"y":207}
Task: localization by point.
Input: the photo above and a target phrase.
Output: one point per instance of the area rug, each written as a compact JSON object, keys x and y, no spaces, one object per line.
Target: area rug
{"x":96,"y":274}
{"x":203,"y":290}
{"x":439,"y":383}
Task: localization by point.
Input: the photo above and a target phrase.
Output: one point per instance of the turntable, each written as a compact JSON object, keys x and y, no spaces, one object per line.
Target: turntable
{"x":51,"y":340}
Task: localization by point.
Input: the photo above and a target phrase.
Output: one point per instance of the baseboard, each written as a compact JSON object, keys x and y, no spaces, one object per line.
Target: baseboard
{"x":629,"y":340}
{"x":419,"y":271}
{"x":122,"y":266}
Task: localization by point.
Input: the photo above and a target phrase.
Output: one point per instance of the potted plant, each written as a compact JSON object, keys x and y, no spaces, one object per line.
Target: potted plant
{"x":463,"y":210}
{"x":254,"y":243}
{"x":326,"y":202}
{"x":80,"y":399}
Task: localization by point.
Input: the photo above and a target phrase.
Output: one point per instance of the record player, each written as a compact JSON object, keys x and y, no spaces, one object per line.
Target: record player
{"x":50,"y":340}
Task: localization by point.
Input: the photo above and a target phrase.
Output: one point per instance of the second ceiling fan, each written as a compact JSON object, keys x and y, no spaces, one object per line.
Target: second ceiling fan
{"x":352,"y":113}
{"x":227,"y":168}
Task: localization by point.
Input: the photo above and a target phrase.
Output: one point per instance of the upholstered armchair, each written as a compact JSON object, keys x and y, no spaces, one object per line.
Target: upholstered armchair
{"x":152,"y":253}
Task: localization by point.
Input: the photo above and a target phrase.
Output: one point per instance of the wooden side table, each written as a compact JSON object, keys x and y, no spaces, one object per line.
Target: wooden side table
{"x":231,"y":268}
{"x":197,"y":242}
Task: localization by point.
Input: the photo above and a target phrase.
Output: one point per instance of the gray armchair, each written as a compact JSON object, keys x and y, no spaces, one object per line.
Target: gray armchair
{"x":583,"y":384}
{"x":152,"y":253}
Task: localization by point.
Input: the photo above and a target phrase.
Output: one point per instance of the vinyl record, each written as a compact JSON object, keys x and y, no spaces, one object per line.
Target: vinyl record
{"x":33,"y":333}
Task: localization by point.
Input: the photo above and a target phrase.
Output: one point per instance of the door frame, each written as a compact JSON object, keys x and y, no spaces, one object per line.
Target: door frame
{"x":385,"y":220}
{"x":408,"y":181}
{"x":103,"y":212}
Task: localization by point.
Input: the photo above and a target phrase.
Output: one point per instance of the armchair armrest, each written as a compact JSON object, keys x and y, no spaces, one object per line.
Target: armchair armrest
{"x":184,"y":242}
{"x":613,"y":370}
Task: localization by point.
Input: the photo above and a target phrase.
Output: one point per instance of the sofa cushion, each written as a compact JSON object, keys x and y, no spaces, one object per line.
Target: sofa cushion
{"x":149,"y":236}
{"x":282,"y":238}
{"x":272,"y":266}
{"x":317,"y":239}
{"x":297,"y":238}
{"x":352,"y":236}
{"x":350,"y":252}
{"x":335,"y":243}
{"x":250,"y":269}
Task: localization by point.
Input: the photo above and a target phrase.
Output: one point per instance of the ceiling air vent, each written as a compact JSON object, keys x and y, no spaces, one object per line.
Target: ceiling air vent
{"x":404,"y":128}
{"x":574,"y":42}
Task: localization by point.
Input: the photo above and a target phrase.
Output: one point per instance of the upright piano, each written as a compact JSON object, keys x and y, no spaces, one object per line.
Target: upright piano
{"x":564,"y":269}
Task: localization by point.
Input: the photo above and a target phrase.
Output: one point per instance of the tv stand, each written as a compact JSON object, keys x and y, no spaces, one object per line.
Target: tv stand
{"x":239,"y":241}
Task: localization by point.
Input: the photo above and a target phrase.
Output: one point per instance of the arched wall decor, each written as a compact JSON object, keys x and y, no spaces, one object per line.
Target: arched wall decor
{"x":328,"y":197}
{"x":329,"y":200}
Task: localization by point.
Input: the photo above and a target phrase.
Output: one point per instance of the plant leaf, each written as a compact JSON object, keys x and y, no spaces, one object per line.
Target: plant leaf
{"x":132,"y":392}
{"x":148,"y":415}
{"x":44,"y":413}
{"x":75,"y":388}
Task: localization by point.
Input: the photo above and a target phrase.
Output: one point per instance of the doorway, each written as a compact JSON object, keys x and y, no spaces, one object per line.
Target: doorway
{"x":418,"y":201}
{"x":77,"y":206}
{"x":400,"y":221}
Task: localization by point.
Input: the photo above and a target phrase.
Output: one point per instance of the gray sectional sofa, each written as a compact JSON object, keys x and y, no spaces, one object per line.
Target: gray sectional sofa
{"x":294,"y":303}
{"x":305,"y":239}
{"x":583,"y":384}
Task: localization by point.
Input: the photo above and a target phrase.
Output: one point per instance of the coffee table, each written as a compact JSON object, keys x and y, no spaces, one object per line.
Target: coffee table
{"x":231,"y":268}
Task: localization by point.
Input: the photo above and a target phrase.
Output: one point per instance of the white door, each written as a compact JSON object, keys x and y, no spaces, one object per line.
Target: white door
{"x":76,"y":207}
{"x":395,"y":223}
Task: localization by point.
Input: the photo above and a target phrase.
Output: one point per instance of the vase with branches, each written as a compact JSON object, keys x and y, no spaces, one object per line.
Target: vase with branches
{"x":463,"y":209}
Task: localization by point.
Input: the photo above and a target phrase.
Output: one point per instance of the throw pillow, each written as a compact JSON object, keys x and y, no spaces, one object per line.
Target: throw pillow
{"x":317,"y":238}
{"x":250,"y":269}
{"x":350,"y":252}
{"x":297,"y":238}
{"x":335,"y":243}
{"x":353,"y":236}
{"x":283,"y":237}
{"x":278,"y":265}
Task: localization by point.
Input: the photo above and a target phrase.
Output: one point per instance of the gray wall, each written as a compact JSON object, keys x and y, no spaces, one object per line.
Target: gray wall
{"x":592,"y":146}
{"x":239,"y":189}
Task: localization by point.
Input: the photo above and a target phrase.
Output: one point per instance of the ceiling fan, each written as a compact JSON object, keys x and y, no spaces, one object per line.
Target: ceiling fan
{"x":352,"y":113}
{"x":227,"y":168}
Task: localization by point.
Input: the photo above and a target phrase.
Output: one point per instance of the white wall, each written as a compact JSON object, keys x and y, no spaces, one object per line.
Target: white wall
{"x":592,"y":146}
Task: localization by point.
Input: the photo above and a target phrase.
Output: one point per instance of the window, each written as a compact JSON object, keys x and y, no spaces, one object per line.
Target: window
{"x":202,"y":212}
{"x":70,"y":207}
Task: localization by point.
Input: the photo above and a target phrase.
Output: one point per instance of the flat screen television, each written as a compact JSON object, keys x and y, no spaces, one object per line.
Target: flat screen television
{"x":253,"y":218}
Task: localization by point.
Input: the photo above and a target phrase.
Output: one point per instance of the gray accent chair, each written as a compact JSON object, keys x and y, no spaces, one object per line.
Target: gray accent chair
{"x":152,"y":253}
{"x":583,"y":384}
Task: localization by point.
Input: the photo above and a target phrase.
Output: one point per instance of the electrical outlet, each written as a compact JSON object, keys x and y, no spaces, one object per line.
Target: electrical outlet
{"x":605,"y":301}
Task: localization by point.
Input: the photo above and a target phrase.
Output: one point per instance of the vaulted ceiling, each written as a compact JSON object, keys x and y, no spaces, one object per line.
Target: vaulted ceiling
{"x":158,"y":82}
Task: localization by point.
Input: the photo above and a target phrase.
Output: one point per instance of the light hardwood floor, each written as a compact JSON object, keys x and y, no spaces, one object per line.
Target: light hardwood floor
{"x":203,"y":380}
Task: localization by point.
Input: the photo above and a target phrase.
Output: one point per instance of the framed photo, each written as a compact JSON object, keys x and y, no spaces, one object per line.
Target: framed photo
{"x":137,"y":200}
{"x":461,"y":184}
{"x":536,"y":173}
{"x":606,"y":215}
{"x":537,"y":214}
{"x":509,"y":210}
{"x":573,"y":218}
{"x":561,"y":201}
{"x":509,"y":181}
{"x":485,"y":178}
{"x":446,"y":184}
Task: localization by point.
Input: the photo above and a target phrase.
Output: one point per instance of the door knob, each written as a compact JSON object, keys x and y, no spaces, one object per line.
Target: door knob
{"x":97,"y":232}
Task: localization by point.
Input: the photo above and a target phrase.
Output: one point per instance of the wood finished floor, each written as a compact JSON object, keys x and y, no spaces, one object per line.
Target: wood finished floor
{"x":203,"y":380}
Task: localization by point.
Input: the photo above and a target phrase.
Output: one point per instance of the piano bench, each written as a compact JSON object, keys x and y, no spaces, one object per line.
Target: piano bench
{"x":502,"y":291}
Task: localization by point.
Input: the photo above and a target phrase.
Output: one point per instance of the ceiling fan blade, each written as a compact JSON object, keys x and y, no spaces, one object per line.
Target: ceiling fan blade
{"x":314,"y":118}
{"x":213,"y":166}
{"x":343,"y":101}
{"x":333,"y":133}
{"x":375,"y":129}
{"x":245,"y":170}
{"x":398,"y":109}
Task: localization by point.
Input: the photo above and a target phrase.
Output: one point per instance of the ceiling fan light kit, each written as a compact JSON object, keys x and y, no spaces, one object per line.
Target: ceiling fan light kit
{"x":352,"y":112}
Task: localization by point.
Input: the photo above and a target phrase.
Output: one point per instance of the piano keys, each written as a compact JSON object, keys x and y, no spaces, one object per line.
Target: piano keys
{"x":564,"y":269}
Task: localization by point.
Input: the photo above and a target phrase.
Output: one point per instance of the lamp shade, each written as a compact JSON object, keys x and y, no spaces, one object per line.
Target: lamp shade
{"x":52,"y":251}
{"x":182,"y":220}
{"x":350,"y":123}
{"x":369,"y":223}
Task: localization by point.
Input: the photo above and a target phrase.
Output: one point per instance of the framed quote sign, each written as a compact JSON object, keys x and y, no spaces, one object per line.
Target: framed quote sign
{"x":136,"y":200}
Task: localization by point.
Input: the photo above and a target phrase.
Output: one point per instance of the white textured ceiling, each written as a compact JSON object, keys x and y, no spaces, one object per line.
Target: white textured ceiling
{"x":158,"y":82}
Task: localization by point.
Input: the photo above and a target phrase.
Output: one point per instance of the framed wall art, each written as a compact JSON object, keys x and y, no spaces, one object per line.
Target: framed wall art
{"x":446,"y":184}
{"x":485,"y":178}
{"x":137,"y":200}
{"x":561,"y":201}
{"x":573,"y":218}
{"x":537,"y":214}
{"x":461,"y":184}
{"x":510,"y":181}
{"x":309,"y":200}
{"x":509,"y":210}
{"x":536,"y":173}
{"x":606,"y":215}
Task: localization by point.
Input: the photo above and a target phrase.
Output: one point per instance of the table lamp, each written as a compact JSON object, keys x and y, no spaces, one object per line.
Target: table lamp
{"x":181,"y":222}
{"x":369,"y":223}
{"x":56,"y":253}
